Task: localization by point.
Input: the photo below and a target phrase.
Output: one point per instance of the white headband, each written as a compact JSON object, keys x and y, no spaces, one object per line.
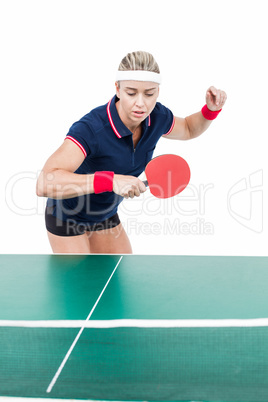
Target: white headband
{"x":138,"y":75}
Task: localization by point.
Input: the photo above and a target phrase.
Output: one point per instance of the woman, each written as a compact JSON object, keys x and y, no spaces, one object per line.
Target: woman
{"x":103,"y":154}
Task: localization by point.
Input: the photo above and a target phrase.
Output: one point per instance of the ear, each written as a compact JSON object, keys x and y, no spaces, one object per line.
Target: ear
{"x":117,"y":88}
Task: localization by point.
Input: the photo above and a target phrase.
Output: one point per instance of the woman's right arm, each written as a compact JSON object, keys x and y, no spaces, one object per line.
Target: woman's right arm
{"x":57,"y":179}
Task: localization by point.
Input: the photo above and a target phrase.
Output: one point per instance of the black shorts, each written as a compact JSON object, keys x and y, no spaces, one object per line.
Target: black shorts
{"x":73,"y":228}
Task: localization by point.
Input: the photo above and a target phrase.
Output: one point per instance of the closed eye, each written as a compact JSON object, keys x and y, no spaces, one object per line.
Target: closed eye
{"x":133,"y":94}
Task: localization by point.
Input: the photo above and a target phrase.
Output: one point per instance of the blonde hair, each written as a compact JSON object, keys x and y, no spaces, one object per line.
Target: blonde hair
{"x":139,"y":61}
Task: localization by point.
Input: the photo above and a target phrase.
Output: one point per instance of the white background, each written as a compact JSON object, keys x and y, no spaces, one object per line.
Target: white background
{"x":59,"y":59}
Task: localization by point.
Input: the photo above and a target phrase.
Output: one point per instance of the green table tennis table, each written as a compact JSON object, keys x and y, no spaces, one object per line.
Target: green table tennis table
{"x":134,"y":328}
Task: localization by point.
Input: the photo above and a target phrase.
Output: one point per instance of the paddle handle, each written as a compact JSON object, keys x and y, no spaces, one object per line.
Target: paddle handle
{"x":146,"y":183}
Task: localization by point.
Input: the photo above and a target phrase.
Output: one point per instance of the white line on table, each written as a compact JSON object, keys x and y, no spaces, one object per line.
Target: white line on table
{"x":56,"y":376}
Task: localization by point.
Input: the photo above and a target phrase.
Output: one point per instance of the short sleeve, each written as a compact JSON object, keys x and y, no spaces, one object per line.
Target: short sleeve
{"x":164,"y":119}
{"x":81,"y":134}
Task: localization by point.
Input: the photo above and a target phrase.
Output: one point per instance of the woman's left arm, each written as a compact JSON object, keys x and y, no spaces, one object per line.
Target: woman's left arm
{"x":195,"y":124}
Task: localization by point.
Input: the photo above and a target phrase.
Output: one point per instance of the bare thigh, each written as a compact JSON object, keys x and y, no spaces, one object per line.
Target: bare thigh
{"x":69,"y":244}
{"x":110,"y":241}
{"x":107,"y":241}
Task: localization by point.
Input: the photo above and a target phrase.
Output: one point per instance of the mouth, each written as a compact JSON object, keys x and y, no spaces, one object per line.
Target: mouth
{"x":138,"y":113}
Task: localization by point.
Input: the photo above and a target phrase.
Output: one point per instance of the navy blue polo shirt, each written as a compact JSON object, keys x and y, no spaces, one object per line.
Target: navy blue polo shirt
{"x":108,"y":145}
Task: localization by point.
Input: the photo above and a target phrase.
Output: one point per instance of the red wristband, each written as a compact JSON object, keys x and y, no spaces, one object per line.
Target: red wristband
{"x":209,"y":114}
{"x":103,"y":181}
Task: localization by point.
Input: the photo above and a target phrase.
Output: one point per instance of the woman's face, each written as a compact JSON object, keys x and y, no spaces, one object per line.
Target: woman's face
{"x":137,"y":99}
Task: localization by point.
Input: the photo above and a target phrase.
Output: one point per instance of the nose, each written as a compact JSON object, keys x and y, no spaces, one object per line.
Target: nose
{"x":139,"y":101}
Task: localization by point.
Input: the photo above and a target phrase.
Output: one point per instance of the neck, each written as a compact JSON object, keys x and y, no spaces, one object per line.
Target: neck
{"x":132,"y":127}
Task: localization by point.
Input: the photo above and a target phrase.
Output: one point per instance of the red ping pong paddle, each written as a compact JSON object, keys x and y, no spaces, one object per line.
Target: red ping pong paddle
{"x":167,"y":175}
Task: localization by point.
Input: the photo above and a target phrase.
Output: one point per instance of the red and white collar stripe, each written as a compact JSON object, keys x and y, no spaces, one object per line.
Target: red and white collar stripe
{"x":111,"y":120}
